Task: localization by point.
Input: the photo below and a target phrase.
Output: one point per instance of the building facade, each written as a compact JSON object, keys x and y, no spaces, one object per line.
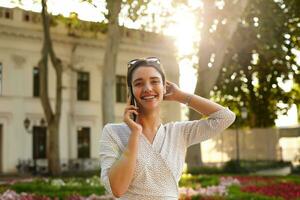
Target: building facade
{"x":23,"y":130}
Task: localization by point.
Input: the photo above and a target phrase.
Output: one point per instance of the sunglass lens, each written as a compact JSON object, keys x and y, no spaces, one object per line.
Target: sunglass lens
{"x":132,"y":62}
{"x":153,"y":59}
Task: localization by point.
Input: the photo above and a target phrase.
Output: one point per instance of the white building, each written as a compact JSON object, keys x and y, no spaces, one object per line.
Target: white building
{"x":81,"y":120}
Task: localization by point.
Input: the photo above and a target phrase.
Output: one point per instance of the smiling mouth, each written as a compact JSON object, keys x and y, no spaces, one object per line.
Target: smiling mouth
{"x":149,"y":97}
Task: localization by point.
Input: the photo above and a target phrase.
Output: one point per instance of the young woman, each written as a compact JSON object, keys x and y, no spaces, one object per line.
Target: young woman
{"x":142,"y":159}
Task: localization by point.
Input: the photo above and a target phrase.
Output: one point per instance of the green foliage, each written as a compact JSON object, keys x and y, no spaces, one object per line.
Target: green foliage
{"x":296,"y":170}
{"x":253,"y":166}
{"x":188,"y":180}
{"x":207,"y":181}
{"x":76,"y":27}
{"x":234,"y":167}
{"x":3,"y":188}
{"x":241,"y":167}
{"x":61,"y":189}
{"x":205,"y":170}
{"x":260,"y":54}
{"x":135,"y":8}
{"x":80,"y":174}
{"x":291,"y":178}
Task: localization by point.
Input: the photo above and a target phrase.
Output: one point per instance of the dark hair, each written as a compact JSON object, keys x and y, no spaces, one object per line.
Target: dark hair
{"x":144,"y":62}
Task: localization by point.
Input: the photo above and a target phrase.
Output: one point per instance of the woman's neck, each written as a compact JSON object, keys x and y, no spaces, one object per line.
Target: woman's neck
{"x":149,"y":120}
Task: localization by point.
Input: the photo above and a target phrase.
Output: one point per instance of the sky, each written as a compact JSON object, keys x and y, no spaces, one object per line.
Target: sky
{"x":183,"y":29}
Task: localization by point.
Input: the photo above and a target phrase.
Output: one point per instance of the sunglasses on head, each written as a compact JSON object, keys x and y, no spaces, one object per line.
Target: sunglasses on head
{"x":149,"y":60}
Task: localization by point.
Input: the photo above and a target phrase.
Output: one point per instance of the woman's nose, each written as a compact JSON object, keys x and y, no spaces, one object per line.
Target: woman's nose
{"x":147,"y":87}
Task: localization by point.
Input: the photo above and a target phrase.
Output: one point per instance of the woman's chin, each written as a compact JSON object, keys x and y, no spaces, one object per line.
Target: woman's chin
{"x":149,"y":106}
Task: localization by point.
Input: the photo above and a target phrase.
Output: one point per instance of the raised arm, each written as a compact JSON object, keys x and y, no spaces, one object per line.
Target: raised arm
{"x":219,"y":117}
{"x":200,"y":104}
{"x":121,"y":172}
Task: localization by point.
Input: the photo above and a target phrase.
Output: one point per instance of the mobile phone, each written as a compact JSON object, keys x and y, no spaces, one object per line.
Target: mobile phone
{"x":132,"y":102}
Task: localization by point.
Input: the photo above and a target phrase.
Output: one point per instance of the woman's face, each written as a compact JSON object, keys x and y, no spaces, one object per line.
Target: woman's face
{"x":148,"y":87}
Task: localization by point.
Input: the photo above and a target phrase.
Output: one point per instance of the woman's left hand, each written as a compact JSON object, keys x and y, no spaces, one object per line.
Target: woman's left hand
{"x":172,"y":91}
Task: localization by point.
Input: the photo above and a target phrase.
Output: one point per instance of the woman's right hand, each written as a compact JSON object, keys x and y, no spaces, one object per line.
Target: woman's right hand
{"x":134,"y":126}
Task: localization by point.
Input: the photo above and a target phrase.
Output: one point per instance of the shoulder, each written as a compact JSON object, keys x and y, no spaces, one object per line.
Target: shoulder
{"x":115,"y":129}
{"x":115,"y":125}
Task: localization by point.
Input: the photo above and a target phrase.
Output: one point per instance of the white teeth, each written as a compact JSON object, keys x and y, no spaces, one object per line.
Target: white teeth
{"x":148,"y":97}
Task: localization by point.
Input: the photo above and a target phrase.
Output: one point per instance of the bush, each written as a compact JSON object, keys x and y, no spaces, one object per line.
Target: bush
{"x":241,"y":167}
{"x":205,"y":170}
{"x":83,"y":174}
{"x":296,"y":170}
{"x":234,"y":167}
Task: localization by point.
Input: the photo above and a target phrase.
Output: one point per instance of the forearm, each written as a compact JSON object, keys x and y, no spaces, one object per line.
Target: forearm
{"x":200,"y":104}
{"x":121,"y":173}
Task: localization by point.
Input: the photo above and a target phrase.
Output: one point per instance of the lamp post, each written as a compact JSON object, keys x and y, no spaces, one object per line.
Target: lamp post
{"x":29,"y":129}
{"x":27,"y":124}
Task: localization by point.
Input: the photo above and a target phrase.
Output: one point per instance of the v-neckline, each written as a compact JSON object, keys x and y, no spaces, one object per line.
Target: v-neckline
{"x":155,"y":136}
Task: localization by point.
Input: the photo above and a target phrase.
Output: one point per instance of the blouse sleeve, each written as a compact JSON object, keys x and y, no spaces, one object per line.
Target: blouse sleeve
{"x":109,"y":153}
{"x":200,"y":130}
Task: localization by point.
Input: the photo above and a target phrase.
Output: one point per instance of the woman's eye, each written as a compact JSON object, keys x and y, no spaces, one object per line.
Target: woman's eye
{"x":137,"y":84}
{"x":156,"y":82}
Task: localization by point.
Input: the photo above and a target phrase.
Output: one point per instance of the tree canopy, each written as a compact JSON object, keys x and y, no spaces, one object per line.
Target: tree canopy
{"x":259,"y":59}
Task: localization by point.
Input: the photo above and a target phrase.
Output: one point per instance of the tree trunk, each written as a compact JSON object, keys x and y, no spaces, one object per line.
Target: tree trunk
{"x":52,"y":118}
{"x":298,"y":111}
{"x":207,"y":76}
{"x":53,"y":149}
{"x":110,"y":62}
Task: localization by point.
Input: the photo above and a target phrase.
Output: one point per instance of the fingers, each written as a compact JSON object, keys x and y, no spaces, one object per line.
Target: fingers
{"x":129,"y":110}
{"x":169,"y":82}
{"x":130,"y":107}
{"x":133,"y":112}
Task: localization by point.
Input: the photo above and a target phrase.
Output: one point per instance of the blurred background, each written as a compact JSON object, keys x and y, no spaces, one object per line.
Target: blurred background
{"x":63,"y":71}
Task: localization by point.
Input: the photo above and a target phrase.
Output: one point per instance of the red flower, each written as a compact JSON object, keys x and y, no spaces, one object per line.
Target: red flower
{"x":287,"y":191}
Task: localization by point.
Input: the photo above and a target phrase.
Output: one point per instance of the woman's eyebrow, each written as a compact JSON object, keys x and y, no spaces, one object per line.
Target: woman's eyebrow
{"x":154,"y":77}
{"x":138,"y":79}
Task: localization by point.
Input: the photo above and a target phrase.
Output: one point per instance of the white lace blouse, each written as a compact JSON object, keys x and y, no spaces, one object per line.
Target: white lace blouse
{"x":160,"y":164}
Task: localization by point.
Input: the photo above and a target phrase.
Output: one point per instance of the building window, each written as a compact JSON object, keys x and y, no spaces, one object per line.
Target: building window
{"x":26,"y":17}
{"x":6,"y":13}
{"x":1,"y":78}
{"x":121,"y":91}
{"x":83,"y":142}
{"x":39,"y":142}
{"x":36,"y":82}
{"x":83,"y":86}
{"x":31,"y":17}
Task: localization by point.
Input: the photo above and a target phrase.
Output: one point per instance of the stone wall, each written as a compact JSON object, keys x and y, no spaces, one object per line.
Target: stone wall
{"x":254,"y":144}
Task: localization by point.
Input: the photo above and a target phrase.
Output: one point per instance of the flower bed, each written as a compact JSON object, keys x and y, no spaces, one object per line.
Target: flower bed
{"x":287,"y":191}
{"x":204,"y":187}
{"x":74,"y":188}
{"x":216,"y":191}
{"x":244,"y":187}
{"x":12,"y":195}
{"x":255,"y":180}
